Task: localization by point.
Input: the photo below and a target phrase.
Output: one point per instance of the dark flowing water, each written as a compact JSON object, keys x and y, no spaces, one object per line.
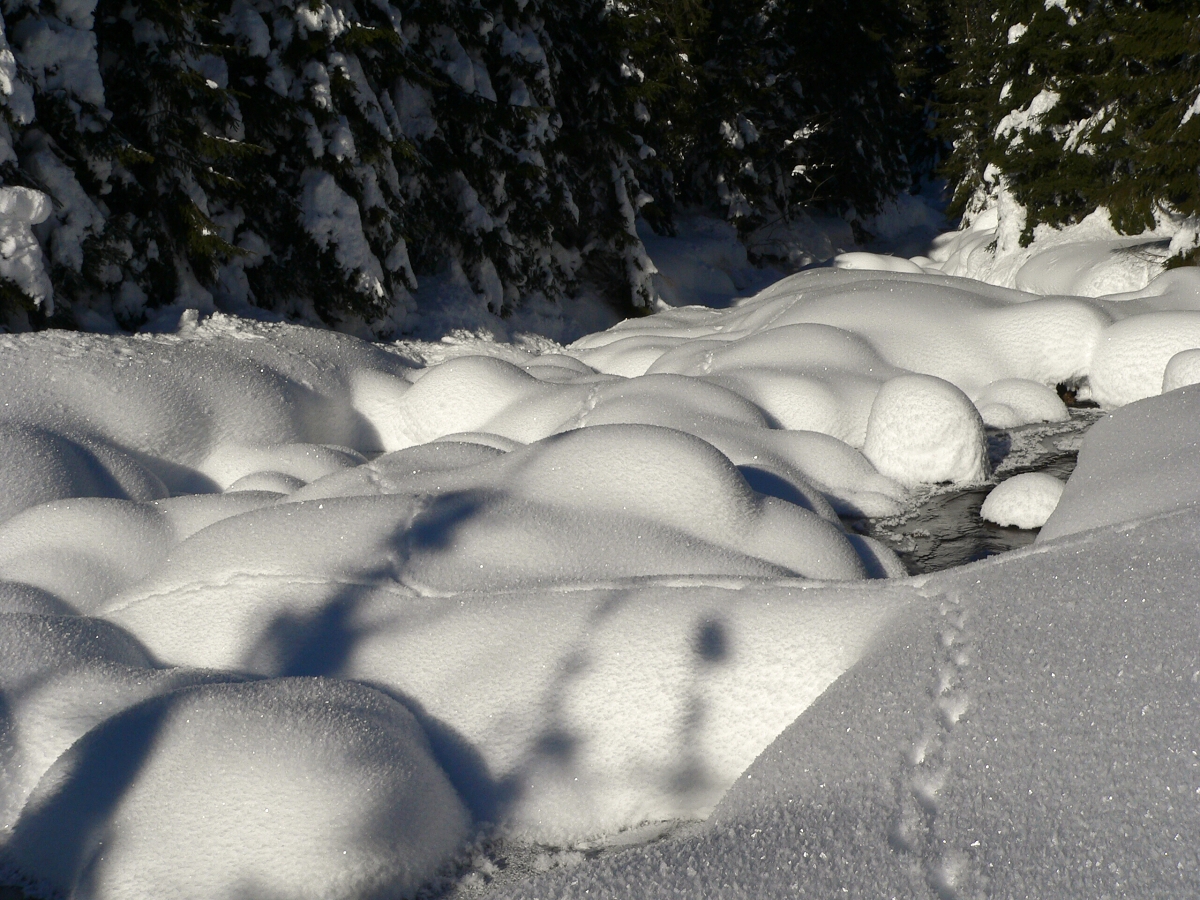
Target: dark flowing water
{"x":945,"y":529}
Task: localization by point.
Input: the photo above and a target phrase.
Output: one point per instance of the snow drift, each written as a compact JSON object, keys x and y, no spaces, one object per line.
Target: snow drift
{"x":269,"y":594}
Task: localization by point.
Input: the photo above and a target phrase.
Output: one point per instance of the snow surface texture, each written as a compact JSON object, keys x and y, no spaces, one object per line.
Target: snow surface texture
{"x":1029,"y":730}
{"x":269,"y":594}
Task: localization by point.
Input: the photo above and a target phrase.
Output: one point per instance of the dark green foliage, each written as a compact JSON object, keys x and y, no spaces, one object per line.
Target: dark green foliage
{"x":921,"y":63}
{"x":314,"y":156}
{"x":1115,"y":82}
{"x":967,"y":94}
{"x":798,"y":107}
{"x":665,"y":79}
{"x":310,"y":154}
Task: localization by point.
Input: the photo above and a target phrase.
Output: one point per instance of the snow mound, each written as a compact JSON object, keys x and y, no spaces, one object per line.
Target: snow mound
{"x":1182,"y":369}
{"x":1131,"y":359}
{"x":83,"y":551}
{"x":923,"y":429}
{"x":875,"y":262}
{"x":38,"y":465}
{"x":1092,"y":268}
{"x":291,"y":787}
{"x":1086,"y":259}
{"x":559,"y":715}
{"x":301,"y":463}
{"x":1024,"y":501}
{"x":590,"y":505}
{"x":151,"y":400}
{"x":61,"y":676}
{"x":1012,"y":402}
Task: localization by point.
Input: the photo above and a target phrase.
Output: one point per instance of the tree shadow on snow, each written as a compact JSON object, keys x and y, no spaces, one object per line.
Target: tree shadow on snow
{"x":64,"y":826}
{"x":322,"y":642}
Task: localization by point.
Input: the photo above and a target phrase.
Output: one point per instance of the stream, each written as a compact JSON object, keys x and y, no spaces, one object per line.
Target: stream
{"x":944,"y":529}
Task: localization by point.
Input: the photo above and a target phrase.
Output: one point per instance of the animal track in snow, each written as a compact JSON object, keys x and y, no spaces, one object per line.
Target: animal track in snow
{"x":926,"y":772}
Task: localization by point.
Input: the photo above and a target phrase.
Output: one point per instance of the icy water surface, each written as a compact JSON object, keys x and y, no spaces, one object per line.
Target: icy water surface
{"x":945,"y":529}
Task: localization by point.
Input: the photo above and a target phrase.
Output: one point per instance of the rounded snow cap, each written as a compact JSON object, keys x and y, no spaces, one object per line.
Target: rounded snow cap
{"x":293,"y":787}
{"x":1025,"y":501}
{"x":1182,"y":369}
{"x":923,"y":429}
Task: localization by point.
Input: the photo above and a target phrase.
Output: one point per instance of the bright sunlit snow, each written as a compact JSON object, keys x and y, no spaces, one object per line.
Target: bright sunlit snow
{"x":288,"y":614}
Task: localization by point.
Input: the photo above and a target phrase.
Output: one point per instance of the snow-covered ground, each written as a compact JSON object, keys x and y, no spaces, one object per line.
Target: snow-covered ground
{"x":287,"y":614}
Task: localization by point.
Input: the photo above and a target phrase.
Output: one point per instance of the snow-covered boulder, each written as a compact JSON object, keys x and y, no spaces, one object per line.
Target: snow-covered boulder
{"x":924,"y":429}
{"x":1182,"y":369}
{"x":1024,"y":501}
{"x":1012,"y":402}
{"x":1131,"y":358}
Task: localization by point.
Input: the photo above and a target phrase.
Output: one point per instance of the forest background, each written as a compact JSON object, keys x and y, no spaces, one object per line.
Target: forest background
{"x":320,"y":158}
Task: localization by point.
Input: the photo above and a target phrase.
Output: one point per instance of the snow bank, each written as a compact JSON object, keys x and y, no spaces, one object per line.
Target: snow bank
{"x":1029,"y":729}
{"x":1134,"y":463}
{"x":1025,"y":501}
{"x":1088,"y":259}
{"x":592,"y":582}
{"x":561,"y":715}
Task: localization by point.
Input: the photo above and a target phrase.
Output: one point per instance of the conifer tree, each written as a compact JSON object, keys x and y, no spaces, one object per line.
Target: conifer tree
{"x":313,"y":155}
{"x":322,"y":157}
{"x":799,"y":108}
{"x":969,"y":96}
{"x":1076,"y":107}
{"x":602,"y":103}
{"x":921,"y":62}
{"x":664,"y":50}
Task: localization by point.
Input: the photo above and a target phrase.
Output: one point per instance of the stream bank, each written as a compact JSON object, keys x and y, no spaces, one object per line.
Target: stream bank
{"x":944,"y":529}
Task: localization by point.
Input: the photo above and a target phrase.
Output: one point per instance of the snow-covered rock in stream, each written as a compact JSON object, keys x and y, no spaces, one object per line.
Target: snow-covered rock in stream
{"x":923,"y":429}
{"x":1023,"y":501}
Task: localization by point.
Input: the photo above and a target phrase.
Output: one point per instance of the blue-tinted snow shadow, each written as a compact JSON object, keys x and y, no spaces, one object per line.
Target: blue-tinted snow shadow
{"x":321,"y":642}
{"x":62,"y":830}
